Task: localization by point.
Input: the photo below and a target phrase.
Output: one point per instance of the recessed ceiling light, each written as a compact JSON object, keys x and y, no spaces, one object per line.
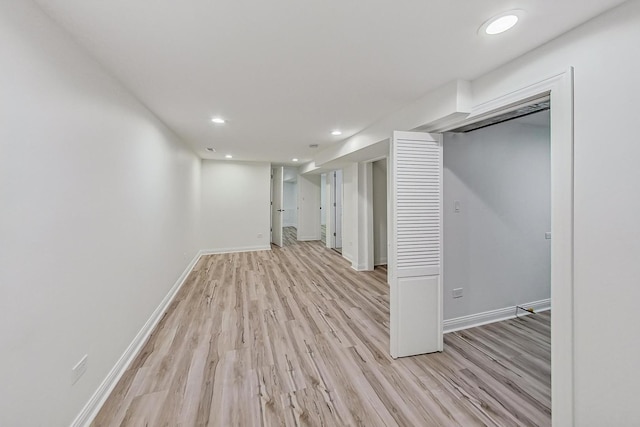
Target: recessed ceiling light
{"x":501,"y":23}
{"x":218,"y":120}
{"x":313,"y":145}
{"x":294,"y":160}
{"x":229,"y":156}
{"x":336,"y":132}
{"x":211,"y":149}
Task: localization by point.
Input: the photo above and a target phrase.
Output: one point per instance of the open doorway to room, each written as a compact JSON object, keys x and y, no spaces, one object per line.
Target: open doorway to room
{"x":290,"y":207}
{"x":379,"y":212}
{"x":496,"y":215}
{"x":496,"y":220}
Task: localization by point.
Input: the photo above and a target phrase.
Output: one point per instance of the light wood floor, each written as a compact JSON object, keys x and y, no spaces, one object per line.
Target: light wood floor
{"x":295,"y":337}
{"x":289,"y":236}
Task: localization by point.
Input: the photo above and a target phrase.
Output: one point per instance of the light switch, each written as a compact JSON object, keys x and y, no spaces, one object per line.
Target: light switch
{"x":456,"y":206}
{"x":547,"y":235}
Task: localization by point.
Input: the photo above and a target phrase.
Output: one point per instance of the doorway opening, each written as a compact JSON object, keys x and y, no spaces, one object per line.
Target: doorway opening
{"x":496,"y":220}
{"x":379,"y":212}
{"x":404,"y":308}
{"x":290,"y":207}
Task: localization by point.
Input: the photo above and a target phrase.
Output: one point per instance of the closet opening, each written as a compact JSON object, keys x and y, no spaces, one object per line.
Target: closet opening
{"x":497,"y":218}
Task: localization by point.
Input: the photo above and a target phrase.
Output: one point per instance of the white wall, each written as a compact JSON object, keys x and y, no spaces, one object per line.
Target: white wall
{"x":98,"y":214}
{"x":235,"y":206}
{"x":495,"y":247}
{"x":606,"y":205}
{"x":380,"y":212}
{"x":309,"y":207}
{"x":290,"y":204}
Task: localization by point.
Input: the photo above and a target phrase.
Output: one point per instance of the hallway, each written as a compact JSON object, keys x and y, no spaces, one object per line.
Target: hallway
{"x":295,"y":336}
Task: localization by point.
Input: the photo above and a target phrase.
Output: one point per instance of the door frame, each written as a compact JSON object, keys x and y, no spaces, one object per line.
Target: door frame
{"x":560,"y":88}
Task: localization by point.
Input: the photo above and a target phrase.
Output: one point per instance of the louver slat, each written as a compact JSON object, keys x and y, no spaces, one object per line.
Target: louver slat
{"x":418,"y":204}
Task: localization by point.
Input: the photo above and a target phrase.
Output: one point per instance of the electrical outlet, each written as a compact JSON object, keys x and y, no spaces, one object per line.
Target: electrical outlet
{"x":456,"y":293}
{"x":79,"y":370}
{"x":259,"y":235}
{"x":547,"y":235}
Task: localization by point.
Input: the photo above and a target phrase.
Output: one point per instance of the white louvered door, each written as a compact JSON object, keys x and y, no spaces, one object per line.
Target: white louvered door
{"x":415,"y":252}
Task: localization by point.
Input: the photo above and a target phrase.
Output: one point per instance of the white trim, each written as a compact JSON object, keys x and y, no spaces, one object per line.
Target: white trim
{"x":233,"y":250}
{"x":562,"y":256}
{"x":365,"y":216}
{"x":381,"y":261}
{"x":308,"y":238}
{"x":473,"y":320}
{"x":518,"y":97}
{"x":90,"y":410}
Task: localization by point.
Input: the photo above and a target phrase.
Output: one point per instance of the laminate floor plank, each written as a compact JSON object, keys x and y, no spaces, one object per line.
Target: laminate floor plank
{"x":295,"y":337}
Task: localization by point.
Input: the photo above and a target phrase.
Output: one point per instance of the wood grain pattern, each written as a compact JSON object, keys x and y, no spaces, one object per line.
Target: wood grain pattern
{"x":295,"y":337}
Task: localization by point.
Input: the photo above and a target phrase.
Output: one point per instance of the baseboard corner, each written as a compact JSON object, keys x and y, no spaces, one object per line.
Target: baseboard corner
{"x":104,"y":390}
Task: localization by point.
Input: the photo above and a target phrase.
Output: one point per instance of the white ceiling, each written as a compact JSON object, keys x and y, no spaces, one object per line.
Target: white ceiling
{"x":284,"y":73}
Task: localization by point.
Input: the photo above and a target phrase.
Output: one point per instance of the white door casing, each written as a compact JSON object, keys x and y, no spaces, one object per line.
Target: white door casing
{"x":415,"y":243}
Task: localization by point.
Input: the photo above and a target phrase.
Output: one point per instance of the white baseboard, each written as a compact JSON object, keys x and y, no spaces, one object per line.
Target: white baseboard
{"x":308,"y":238}
{"x":473,"y":320}
{"x":232,"y":250}
{"x":90,"y":410}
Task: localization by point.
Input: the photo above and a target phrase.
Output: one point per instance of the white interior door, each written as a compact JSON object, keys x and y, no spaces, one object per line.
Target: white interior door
{"x":415,"y":243}
{"x":277,"y":209}
{"x":337,"y":208}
